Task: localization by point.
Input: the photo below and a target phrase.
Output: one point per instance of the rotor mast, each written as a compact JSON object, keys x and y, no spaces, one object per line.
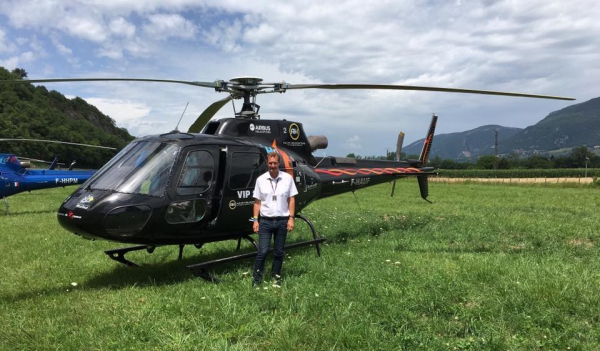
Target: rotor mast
{"x":247,"y":88}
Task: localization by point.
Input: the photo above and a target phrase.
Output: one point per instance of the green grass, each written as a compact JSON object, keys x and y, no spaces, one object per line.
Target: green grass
{"x":485,"y":267}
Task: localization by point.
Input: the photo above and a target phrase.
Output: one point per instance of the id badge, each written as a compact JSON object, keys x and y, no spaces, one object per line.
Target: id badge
{"x":275,"y":198}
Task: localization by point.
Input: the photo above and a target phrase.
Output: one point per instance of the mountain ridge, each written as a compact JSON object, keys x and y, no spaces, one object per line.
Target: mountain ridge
{"x":573,"y":126}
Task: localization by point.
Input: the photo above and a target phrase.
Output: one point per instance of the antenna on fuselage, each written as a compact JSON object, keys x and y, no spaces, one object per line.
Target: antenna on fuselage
{"x":177,"y":126}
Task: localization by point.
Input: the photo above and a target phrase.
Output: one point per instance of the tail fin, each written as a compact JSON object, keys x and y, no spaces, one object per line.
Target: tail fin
{"x":54,"y":163}
{"x":423,"y":180}
{"x":428,"y":140}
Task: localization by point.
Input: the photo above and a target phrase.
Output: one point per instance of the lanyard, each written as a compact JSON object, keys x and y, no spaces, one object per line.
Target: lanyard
{"x":276,"y":183}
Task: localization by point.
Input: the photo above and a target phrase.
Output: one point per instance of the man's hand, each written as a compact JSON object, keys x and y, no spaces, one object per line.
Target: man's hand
{"x":290,"y":224}
{"x":255,"y":226}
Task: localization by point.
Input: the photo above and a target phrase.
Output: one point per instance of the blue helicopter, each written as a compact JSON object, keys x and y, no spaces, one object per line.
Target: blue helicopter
{"x":17,"y":177}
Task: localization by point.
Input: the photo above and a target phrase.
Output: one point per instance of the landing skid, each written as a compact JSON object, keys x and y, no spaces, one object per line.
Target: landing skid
{"x":119,"y":254}
{"x":201,"y":270}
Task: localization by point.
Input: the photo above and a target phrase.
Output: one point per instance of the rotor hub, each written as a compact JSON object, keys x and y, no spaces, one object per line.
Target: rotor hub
{"x":246,"y":80}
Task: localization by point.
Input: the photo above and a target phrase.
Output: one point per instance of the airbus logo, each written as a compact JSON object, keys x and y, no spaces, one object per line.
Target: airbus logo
{"x":260,"y":129}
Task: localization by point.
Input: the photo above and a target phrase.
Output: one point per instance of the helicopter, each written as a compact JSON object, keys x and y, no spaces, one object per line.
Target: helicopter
{"x":195,"y":187}
{"x":17,"y":177}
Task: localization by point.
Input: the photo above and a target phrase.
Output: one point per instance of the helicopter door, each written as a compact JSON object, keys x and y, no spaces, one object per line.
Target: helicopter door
{"x":244,"y":165}
{"x":193,"y":188}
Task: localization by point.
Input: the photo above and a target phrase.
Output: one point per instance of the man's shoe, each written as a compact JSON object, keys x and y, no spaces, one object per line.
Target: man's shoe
{"x":277,"y":281}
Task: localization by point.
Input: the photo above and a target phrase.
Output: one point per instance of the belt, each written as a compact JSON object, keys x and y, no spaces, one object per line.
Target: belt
{"x":273,"y":218}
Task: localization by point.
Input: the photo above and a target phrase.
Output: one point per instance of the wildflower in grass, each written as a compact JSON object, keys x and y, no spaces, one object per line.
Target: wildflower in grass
{"x":397,"y":262}
{"x":388,"y":261}
{"x":316,"y":295}
{"x":245,"y":273}
{"x":73,"y":284}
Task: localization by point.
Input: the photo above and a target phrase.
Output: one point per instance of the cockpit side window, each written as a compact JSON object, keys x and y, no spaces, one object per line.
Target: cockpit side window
{"x":197,"y":173}
{"x":245,"y":167}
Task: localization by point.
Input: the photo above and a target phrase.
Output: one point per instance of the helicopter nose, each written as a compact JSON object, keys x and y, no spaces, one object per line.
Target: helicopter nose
{"x":74,"y":221}
{"x":104,"y":215}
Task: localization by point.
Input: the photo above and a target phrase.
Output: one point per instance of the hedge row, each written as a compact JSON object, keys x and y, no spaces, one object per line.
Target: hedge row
{"x":520,"y":173}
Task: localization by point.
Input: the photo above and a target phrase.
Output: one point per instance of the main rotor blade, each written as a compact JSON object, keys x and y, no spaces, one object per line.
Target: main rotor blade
{"x":422,"y":88}
{"x":36,"y":160}
{"x":207,"y":115}
{"x":61,"y":80}
{"x":284,"y":86}
{"x":61,"y":142}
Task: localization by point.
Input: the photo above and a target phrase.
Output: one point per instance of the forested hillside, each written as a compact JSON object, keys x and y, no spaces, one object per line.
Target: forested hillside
{"x":30,"y":112}
{"x":573,"y":126}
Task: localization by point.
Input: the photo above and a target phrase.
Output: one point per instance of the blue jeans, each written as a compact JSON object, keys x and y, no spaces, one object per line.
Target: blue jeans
{"x":266,"y":229}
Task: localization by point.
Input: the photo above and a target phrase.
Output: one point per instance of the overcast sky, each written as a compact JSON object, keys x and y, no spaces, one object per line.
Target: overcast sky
{"x":534,"y":46}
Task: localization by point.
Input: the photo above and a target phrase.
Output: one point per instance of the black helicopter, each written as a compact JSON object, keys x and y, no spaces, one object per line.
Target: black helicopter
{"x":195,"y":187}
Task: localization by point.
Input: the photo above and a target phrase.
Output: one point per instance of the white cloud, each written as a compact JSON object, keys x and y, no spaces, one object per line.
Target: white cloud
{"x":61,"y":48}
{"x":124,"y":112}
{"x":110,"y":50}
{"x":5,"y":45}
{"x":353,"y":143}
{"x":121,"y":27}
{"x":163,"y":26}
{"x":90,"y":28}
{"x":10,"y":63}
{"x":263,"y":34}
{"x":18,"y":61}
{"x":225,"y":36}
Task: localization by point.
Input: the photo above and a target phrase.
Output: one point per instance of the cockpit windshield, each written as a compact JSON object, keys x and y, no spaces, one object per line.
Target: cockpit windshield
{"x":144,"y":168}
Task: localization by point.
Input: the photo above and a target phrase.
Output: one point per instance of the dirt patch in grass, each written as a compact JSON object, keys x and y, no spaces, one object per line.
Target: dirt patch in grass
{"x":582,"y":242}
{"x":587,"y":180}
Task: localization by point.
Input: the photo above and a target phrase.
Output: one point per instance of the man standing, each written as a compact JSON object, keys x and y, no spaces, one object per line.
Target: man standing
{"x":275,"y":203}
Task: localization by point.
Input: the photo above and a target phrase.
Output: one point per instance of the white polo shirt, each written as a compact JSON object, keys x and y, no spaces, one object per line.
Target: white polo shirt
{"x":282,"y":187}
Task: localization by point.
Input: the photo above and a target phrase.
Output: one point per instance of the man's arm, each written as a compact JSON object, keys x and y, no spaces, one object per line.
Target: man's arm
{"x":292,"y":209}
{"x":255,"y":213}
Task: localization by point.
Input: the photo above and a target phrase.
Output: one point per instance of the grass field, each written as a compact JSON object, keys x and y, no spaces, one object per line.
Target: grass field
{"x":485,"y":267}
